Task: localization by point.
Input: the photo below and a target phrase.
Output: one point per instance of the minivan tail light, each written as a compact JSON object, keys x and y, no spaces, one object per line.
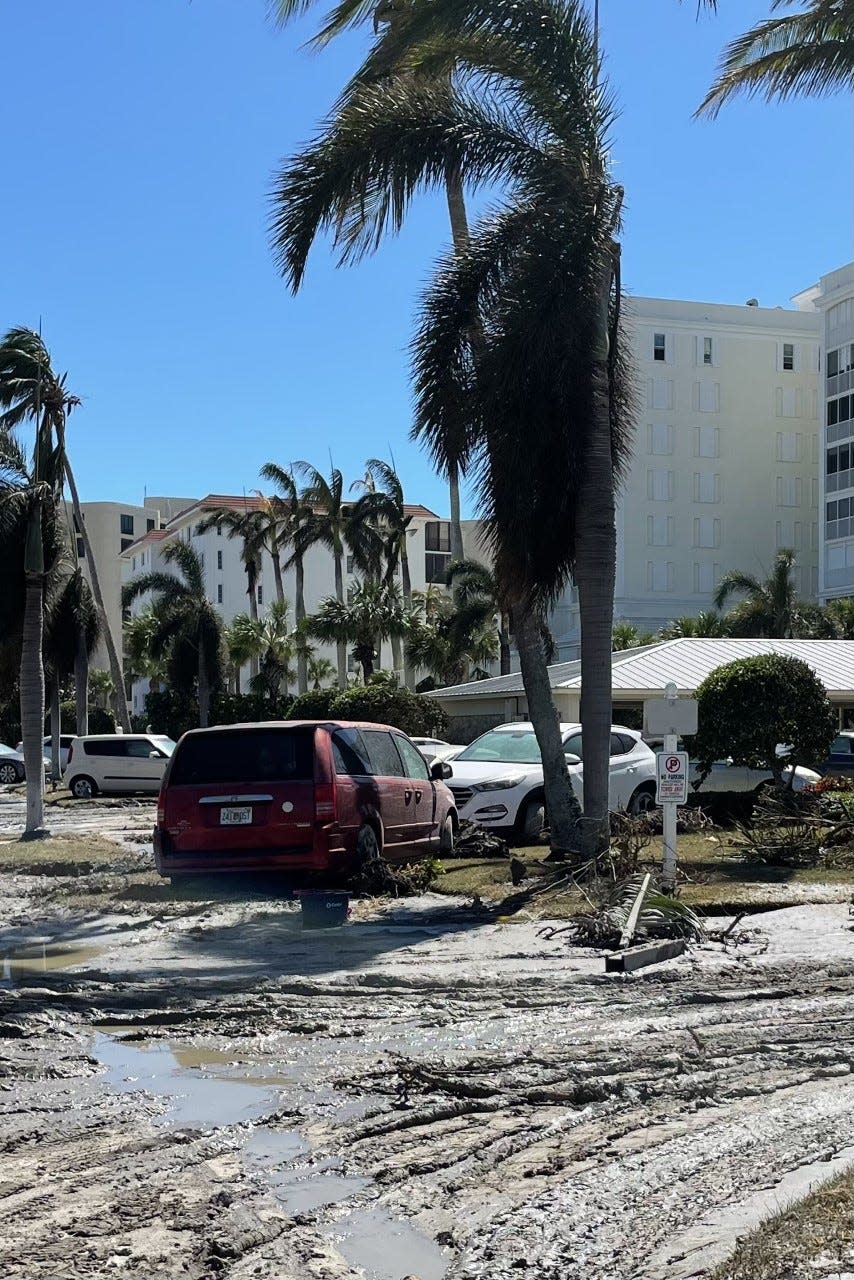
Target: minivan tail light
{"x":325,"y":809}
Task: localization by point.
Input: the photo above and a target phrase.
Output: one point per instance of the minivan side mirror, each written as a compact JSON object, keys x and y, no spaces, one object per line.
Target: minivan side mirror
{"x":439,"y":771}
{"x":572,"y":758}
{"x":154,"y":755}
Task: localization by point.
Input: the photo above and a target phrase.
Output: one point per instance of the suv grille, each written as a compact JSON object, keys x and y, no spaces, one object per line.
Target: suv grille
{"x":462,"y":795}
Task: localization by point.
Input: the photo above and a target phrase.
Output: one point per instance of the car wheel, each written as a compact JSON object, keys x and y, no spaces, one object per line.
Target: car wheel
{"x":83,"y":788}
{"x":643,"y":801}
{"x":367,"y":845}
{"x":446,"y":838}
{"x":8,"y":774}
{"x":533,"y":820}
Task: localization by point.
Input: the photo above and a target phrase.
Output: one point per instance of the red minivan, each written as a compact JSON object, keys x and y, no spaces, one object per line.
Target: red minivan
{"x":299,"y":795}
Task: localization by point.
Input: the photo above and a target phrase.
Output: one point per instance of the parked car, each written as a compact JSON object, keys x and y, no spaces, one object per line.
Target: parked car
{"x":436,"y":749}
{"x":65,"y":741}
{"x":300,"y":795}
{"x":12,"y":765}
{"x":841,"y":758}
{"x":728,"y":777}
{"x":116,"y":762}
{"x":497,"y":781}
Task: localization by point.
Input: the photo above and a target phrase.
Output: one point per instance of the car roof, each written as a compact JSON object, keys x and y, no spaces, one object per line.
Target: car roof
{"x":564,"y":728}
{"x":292,"y":724}
{"x":108,"y":737}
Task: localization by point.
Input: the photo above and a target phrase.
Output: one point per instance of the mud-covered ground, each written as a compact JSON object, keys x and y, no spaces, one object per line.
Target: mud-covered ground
{"x":196,"y":1087}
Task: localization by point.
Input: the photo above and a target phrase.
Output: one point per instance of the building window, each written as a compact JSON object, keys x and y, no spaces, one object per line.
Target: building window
{"x":351,"y":564}
{"x":788,"y":491}
{"x":133,"y":565}
{"x":659,"y":531}
{"x":126,"y":524}
{"x":198,"y":531}
{"x":660,"y":393}
{"x":709,"y":397}
{"x":219,"y":593}
{"x":707,"y":351}
{"x":707,"y":486}
{"x":437,"y":535}
{"x":788,"y":355}
{"x":260,"y":593}
{"x":436,"y":567}
{"x":659,"y":346}
{"x":659,"y":575}
{"x":660,"y":439}
{"x":149,"y":525}
{"x":81,"y":549}
{"x":219,"y":559}
{"x":126,"y":542}
{"x":705,"y":578}
{"x":707,"y":531}
{"x":707,"y":442}
{"x":788,"y":446}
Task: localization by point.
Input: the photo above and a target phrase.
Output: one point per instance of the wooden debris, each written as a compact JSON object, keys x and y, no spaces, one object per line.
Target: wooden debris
{"x":647,"y":953}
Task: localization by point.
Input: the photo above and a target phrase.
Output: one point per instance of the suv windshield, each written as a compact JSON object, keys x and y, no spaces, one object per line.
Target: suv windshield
{"x":164,"y":744}
{"x":509,"y":746}
{"x":244,"y":755}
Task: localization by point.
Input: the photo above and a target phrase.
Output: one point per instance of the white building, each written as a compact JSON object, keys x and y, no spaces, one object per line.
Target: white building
{"x":725,"y":465}
{"x":831,"y":301}
{"x":225,"y":575}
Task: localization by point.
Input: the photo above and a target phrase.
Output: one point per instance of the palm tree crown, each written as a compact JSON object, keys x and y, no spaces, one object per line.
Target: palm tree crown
{"x":770,"y":608}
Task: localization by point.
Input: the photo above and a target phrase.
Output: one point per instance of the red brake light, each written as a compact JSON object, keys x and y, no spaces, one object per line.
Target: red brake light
{"x":325,"y":807}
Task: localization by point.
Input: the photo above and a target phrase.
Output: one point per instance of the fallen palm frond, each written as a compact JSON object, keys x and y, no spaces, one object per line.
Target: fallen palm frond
{"x":661,"y":916}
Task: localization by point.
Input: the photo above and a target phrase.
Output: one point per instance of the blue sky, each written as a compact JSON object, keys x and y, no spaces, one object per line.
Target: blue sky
{"x":143,"y":143}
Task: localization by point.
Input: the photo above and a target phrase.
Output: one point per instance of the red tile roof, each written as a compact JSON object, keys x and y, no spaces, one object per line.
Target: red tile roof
{"x":153,"y":535}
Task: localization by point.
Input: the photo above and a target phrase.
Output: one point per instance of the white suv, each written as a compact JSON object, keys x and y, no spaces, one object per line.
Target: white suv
{"x":117,"y":762}
{"x":497,"y":781}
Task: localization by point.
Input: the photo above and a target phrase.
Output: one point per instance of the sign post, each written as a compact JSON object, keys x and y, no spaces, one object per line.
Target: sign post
{"x":670,"y":717}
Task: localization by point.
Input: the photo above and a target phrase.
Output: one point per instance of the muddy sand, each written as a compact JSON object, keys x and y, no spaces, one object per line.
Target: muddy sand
{"x":201,"y":1089}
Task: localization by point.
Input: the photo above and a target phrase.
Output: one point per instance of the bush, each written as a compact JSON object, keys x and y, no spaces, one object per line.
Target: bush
{"x":314,"y":705}
{"x":246,"y":708}
{"x":100,"y":721}
{"x":171,"y":712}
{"x":748,"y":707}
{"x":413,"y":713}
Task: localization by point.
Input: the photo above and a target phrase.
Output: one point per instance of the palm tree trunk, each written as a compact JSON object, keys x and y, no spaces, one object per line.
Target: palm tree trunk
{"x":277,"y":576}
{"x":121,"y":706}
{"x":32,"y":702}
{"x":561,"y":803}
{"x":302,"y":656}
{"x":252,"y":592}
{"x":55,"y":729}
{"x":204,"y":688}
{"x":396,"y":657}
{"x":342,"y":644}
{"x":81,"y":683}
{"x":504,"y":643}
{"x":460,"y":235}
{"x":596,"y":550}
{"x":406,"y":582}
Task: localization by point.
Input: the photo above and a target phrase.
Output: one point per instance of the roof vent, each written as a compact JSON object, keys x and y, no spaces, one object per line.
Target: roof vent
{"x":752,"y":302}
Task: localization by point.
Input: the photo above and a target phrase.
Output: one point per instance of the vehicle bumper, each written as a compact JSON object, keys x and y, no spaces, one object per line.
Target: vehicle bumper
{"x":326,"y":853}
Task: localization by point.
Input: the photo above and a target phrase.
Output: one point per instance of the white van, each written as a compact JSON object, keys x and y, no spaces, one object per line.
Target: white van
{"x":116,"y":762}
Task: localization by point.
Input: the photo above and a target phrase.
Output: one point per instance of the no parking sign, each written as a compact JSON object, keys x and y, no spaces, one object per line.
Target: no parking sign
{"x":672,"y":777}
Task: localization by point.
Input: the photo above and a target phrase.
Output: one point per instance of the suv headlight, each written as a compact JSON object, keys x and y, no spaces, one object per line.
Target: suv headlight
{"x":500,"y":784}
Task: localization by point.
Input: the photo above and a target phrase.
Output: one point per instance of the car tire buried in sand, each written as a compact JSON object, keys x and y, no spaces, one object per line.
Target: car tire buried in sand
{"x":82,"y":788}
{"x":446,"y":838}
{"x":533,"y":819}
{"x":367,"y":845}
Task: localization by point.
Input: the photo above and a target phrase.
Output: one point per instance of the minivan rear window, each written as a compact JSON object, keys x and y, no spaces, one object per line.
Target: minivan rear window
{"x":244,"y":755}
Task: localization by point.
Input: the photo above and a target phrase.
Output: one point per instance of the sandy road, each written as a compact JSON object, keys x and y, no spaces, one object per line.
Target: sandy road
{"x":217,"y":1093}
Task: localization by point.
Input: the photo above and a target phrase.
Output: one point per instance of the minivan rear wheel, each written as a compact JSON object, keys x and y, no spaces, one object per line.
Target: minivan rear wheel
{"x":83,"y":788}
{"x":367,"y":845}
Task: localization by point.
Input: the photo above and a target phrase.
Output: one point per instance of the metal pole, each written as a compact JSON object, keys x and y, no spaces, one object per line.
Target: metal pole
{"x":668,"y":866}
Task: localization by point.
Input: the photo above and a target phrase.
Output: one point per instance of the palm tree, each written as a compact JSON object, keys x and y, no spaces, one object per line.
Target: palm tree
{"x":319,"y":671}
{"x":536,"y":291}
{"x":810,"y":52}
{"x":840,"y":615}
{"x":101,"y":688}
{"x":471,"y":581}
{"x":139,"y":632}
{"x":454,"y":638}
{"x":189,"y":634}
{"x":373,"y":613}
{"x":382,"y":13}
{"x":382,"y":507}
{"x":770,"y":608}
{"x":268,"y":519}
{"x":71,"y":631}
{"x":708,"y":624}
{"x":30,"y":390}
{"x":252,"y":527}
{"x":242,"y":644}
{"x":295,"y":519}
{"x":278,"y":643}
{"x":625,"y":635}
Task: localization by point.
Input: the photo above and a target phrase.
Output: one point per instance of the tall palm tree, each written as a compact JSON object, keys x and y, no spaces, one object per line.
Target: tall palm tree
{"x":242,"y":639}
{"x":372,"y":614}
{"x":295,"y":518}
{"x":471,"y":580}
{"x":278,"y":644}
{"x":454,"y":638}
{"x":252,"y":527}
{"x":139,"y":632}
{"x":537,"y":291}
{"x":31,"y":553}
{"x":189,"y":634}
{"x":269,"y":523}
{"x":810,"y":52}
{"x":384,"y":13}
{"x":31,"y":390}
{"x":383,"y":507}
{"x":770,"y":608}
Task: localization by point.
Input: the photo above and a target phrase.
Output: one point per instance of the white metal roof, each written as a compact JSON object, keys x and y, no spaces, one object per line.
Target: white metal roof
{"x":645,"y":671}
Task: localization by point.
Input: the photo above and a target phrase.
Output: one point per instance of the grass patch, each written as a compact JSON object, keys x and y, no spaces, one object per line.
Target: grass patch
{"x":820,"y":1226}
{"x":59,"y":855}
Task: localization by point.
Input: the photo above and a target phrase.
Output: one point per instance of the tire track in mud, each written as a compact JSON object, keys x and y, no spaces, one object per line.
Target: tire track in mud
{"x":554,"y":1125}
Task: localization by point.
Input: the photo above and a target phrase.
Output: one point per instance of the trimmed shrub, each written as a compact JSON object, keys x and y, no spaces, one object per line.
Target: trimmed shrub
{"x":413,"y":713}
{"x":314,"y":705}
{"x":748,"y":707}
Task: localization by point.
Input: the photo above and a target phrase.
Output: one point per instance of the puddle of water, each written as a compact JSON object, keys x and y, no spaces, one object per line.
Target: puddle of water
{"x":19,"y":964}
{"x":195,"y":1101}
{"x":386,"y":1249}
{"x":272,"y":1153}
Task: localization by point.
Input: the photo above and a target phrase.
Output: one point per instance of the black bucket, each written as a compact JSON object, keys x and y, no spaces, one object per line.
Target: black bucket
{"x":324,"y":910}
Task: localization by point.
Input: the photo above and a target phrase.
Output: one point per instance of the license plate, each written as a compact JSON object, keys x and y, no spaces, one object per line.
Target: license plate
{"x":236,"y":817}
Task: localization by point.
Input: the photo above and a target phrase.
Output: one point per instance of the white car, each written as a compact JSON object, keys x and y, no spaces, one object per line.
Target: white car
{"x":497,"y":781}
{"x":726,"y":776}
{"x":12,"y":767}
{"x":65,"y":741}
{"x":117,"y":762}
{"x":436,"y":749}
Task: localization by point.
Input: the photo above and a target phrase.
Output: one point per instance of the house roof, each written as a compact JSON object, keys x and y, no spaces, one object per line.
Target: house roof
{"x":646,"y":670}
{"x":254,"y":502}
{"x":153,"y":535}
